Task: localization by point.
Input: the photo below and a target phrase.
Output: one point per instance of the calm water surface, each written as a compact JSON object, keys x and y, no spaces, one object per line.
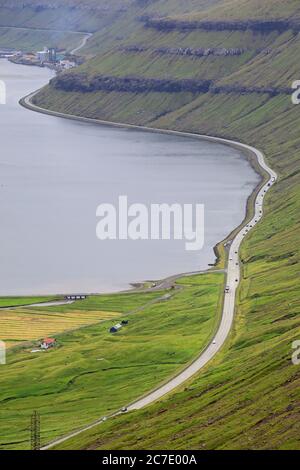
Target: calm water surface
{"x":54,"y":173}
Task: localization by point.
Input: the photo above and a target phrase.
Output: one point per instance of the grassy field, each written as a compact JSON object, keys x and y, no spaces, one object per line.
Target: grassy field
{"x":28,"y":324}
{"x":92,"y":373}
{"x":20,"y":301}
{"x":123,"y":302}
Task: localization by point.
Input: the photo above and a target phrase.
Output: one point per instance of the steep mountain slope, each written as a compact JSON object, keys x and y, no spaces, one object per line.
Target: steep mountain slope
{"x":110,"y":20}
{"x":230,"y":60}
{"x":25,"y":24}
{"x":249,"y":397}
{"x":254,"y":9}
{"x":76,"y":15}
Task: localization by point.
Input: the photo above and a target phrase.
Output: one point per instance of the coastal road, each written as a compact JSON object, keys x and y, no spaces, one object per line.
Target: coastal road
{"x":232,"y":283}
{"x":233,"y":280}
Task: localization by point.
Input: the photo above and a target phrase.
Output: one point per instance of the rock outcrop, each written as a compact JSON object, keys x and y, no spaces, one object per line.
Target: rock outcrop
{"x":262,"y":26}
{"x":240,"y":89}
{"x":187,"y":51}
{"x":81,"y":82}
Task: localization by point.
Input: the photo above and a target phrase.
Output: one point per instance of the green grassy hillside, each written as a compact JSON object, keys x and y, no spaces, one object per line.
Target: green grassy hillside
{"x":241,"y":9}
{"x":111,"y":20}
{"x":37,"y":23}
{"x":87,"y":15}
{"x":245,"y":61}
{"x":249,"y":396}
{"x":33,"y":39}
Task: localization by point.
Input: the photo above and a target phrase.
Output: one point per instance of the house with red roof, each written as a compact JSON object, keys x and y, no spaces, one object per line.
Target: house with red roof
{"x":48,"y":343}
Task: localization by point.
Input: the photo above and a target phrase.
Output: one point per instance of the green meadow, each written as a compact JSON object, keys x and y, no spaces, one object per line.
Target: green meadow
{"x":92,"y":373}
{"x":17,"y":301}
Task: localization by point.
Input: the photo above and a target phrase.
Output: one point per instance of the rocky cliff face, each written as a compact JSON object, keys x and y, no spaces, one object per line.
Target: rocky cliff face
{"x":186,"y":51}
{"x":263,"y":26}
{"x":83,"y":83}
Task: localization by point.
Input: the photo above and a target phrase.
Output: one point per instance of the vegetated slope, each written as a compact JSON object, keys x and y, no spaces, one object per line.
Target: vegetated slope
{"x":249,"y":397}
{"x":118,"y":32}
{"x":87,"y":15}
{"x":110,"y":20}
{"x":231,"y":61}
{"x":253,"y":9}
{"x":33,"y":40}
{"x":26,"y":25}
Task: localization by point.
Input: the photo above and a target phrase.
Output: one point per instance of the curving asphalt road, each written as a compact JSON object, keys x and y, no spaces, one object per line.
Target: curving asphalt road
{"x":233,"y":280}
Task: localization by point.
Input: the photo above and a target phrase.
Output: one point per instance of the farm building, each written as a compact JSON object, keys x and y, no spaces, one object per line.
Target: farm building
{"x":75,"y":297}
{"x":48,"y":343}
{"x":116,"y":328}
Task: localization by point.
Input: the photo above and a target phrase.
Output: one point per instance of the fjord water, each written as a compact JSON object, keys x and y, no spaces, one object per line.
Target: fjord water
{"x":55,"y":172}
